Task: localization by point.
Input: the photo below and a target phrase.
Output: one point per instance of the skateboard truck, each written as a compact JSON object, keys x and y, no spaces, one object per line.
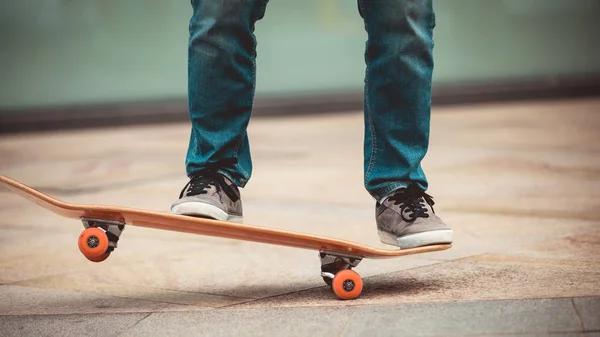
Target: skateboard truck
{"x":99,"y":238}
{"x":336,"y":271}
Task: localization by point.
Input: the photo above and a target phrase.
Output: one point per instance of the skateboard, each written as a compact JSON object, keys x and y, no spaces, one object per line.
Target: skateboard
{"x":103,"y":226}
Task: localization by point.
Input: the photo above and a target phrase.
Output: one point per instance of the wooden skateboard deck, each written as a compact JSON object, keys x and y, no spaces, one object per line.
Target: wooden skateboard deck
{"x":118,"y":216}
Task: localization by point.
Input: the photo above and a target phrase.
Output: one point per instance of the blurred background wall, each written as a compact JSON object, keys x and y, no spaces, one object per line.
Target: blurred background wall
{"x":69,"y":58}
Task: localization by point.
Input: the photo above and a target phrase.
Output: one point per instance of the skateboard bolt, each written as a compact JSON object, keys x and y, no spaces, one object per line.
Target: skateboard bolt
{"x":93,"y":242}
{"x":348,"y":285}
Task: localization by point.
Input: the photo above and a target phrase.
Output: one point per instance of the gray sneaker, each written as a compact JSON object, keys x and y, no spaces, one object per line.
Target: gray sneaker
{"x":210,"y":195}
{"x":406,"y":219}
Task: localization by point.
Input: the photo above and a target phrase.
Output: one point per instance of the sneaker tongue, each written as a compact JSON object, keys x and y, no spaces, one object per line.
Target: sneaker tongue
{"x":411,"y":203}
{"x":202,"y":185}
{"x":214,"y":183}
{"x":210,"y":187}
{"x":412,"y":194}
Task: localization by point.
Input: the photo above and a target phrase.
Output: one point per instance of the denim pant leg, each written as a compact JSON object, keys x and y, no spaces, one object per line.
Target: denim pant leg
{"x":398,"y":79}
{"x":221,"y":84}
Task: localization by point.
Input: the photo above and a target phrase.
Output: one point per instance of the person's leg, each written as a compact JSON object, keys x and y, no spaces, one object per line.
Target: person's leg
{"x":399,"y":58}
{"x":397,"y":92}
{"x":221,"y":86}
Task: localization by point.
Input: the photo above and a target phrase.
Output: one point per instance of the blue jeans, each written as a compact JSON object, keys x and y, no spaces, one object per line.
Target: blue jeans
{"x":397,"y":90}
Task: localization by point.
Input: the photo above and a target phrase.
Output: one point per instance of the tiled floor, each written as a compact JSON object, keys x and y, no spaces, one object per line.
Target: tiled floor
{"x":519,"y":184}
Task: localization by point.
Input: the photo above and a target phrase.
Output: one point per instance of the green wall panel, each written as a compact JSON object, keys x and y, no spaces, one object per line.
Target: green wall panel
{"x":55,"y":52}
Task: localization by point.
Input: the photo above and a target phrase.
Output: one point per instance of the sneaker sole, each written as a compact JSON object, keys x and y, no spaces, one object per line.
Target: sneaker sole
{"x":417,"y":240}
{"x":206,"y":211}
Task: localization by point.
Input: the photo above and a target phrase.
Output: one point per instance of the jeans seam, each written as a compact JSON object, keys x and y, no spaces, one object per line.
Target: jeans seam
{"x":254,"y":45}
{"x":373,"y":143}
{"x":361,"y":7}
{"x":369,"y":119}
{"x":235,"y":155}
{"x":367,"y":103}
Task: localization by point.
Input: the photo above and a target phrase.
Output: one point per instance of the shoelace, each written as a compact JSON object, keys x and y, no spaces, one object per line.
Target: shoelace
{"x":412,"y":203}
{"x":202,"y":180}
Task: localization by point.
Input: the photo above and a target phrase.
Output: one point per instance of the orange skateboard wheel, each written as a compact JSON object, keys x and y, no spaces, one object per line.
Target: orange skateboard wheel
{"x":347,"y":284}
{"x":93,"y":242}
{"x":99,"y":258}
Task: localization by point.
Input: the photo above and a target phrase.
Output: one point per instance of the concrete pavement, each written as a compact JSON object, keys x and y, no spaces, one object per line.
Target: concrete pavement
{"x":519,"y":183}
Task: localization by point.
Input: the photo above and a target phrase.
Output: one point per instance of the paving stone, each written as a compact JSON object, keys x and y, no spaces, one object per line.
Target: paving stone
{"x":68,"y":325}
{"x":269,"y":322}
{"x":589,"y":312}
{"x":16,"y":300}
{"x":466,"y":318}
